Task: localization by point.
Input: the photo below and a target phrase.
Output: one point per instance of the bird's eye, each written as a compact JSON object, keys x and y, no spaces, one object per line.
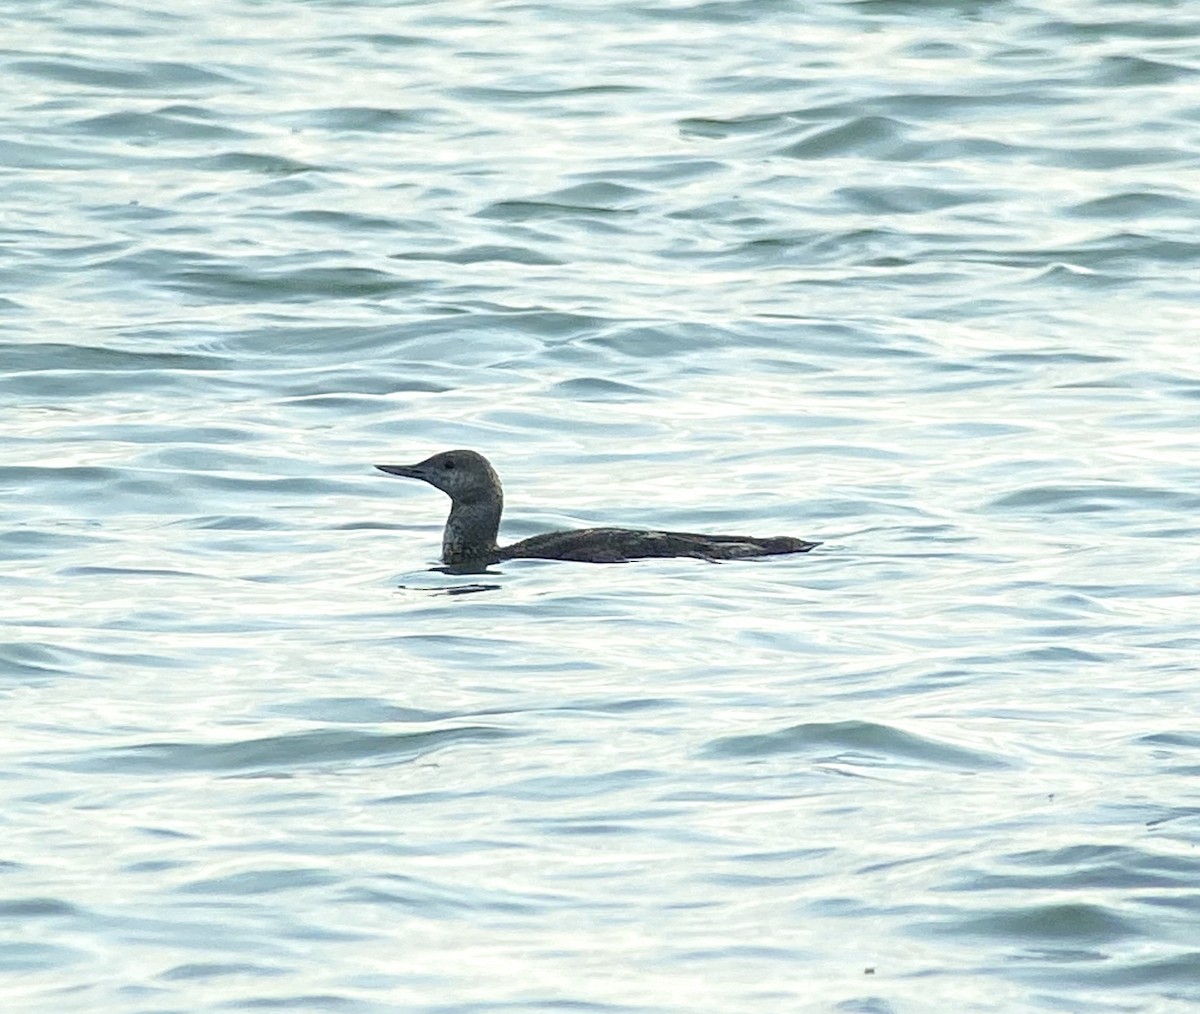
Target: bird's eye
{"x":448,"y":463}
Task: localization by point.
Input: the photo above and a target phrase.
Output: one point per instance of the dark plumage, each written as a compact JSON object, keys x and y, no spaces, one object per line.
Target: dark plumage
{"x":477,"y":501}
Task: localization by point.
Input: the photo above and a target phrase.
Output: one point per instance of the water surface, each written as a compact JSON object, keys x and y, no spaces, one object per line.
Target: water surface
{"x":914,"y":279}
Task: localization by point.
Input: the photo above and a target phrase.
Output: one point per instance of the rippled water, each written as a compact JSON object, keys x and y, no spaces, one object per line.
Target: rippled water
{"x":916,"y":279}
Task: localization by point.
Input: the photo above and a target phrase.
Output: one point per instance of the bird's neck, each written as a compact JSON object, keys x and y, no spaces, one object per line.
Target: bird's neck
{"x":471,"y":530}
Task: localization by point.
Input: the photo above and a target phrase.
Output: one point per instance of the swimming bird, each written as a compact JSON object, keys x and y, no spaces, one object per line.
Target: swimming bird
{"x":477,"y":500}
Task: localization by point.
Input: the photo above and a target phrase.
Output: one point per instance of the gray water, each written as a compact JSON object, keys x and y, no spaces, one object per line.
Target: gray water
{"x":916,"y":279}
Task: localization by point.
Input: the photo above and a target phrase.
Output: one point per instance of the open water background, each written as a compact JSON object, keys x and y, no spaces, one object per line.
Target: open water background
{"x":918,"y":279}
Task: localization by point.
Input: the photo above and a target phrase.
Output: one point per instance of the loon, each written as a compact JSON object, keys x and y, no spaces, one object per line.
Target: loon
{"x":476,"y":501}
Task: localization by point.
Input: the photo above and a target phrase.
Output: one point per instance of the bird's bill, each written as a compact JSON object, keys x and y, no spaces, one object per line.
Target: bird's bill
{"x":408,"y":471}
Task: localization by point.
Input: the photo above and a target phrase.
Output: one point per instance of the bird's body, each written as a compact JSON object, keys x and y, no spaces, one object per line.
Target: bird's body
{"x":617,"y":545}
{"x":477,"y":501}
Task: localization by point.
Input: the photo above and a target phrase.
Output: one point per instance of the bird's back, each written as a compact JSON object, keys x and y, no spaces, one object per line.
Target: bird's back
{"x":616,"y":545}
